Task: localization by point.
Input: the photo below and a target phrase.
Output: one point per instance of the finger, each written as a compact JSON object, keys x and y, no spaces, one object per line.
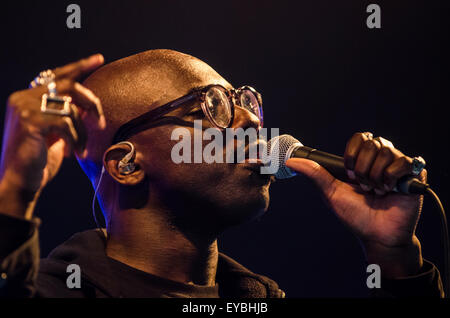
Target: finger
{"x":70,"y":128}
{"x":81,"y":96}
{"x":69,"y":133}
{"x":385,"y":156}
{"x":84,"y":98}
{"x":384,"y":142}
{"x":79,"y":68}
{"x":321,"y":177}
{"x":73,"y":135}
{"x":98,"y":110}
{"x":352,"y":150}
{"x":366,"y":157}
{"x":55,"y":138}
{"x":54,"y":128}
{"x":76,"y":126}
{"x":423,"y":176}
{"x":398,"y":168}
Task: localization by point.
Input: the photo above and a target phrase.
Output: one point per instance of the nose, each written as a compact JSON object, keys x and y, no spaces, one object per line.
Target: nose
{"x":245,"y":119}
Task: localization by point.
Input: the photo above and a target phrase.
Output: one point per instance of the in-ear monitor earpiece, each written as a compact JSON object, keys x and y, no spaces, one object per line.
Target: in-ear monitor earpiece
{"x":126,"y":165}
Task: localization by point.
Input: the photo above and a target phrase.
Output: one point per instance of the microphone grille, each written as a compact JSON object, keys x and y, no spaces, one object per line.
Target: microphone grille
{"x":279,"y":150}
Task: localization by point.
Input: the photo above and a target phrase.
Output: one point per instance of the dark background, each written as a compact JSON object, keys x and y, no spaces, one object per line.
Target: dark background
{"x":323,"y":75}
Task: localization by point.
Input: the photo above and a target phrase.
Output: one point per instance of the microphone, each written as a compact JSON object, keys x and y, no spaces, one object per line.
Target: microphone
{"x":281,"y":148}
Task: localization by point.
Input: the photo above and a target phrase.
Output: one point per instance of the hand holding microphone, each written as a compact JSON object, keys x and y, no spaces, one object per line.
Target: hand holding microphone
{"x":282,"y":148}
{"x":385,"y":221}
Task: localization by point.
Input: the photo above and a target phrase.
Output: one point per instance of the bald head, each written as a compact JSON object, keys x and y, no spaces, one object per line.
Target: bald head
{"x":182,"y":195}
{"x":136,"y":84}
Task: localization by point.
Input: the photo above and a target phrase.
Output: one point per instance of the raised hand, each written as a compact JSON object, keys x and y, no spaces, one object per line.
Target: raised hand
{"x":35,"y":143}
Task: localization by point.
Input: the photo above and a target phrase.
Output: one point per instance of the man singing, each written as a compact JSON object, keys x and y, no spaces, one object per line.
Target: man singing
{"x":163,"y":218}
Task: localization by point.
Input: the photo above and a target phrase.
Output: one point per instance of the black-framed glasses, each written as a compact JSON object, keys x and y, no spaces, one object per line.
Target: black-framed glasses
{"x":217,"y":104}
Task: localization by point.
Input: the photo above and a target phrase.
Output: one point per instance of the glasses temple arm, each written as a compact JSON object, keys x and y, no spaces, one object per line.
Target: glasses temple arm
{"x":129,"y":127}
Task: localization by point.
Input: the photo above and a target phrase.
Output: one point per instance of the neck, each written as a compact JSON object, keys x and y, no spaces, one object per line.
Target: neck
{"x":146,"y":240}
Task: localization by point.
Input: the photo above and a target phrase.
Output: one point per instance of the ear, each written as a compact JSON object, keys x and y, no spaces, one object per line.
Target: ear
{"x":111,"y":160}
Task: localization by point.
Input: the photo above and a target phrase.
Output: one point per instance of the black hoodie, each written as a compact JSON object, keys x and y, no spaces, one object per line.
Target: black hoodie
{"x":105,"y":277}
{"x":22,"y":274}
{"x":102,"y":276}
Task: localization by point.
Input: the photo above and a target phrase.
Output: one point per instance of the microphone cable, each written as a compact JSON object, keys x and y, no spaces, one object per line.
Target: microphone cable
{"x":94,"y":214}
{"x":444,"y":238}
{"x":286,"y":145}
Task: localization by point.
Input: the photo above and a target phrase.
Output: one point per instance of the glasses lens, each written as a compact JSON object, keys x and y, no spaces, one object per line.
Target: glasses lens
{"x":218,"y":105}
{"x":249,"y":101}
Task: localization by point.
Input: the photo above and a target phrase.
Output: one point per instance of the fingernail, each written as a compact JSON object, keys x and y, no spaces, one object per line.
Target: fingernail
{"x":102,"y":122}
{"x":365,"y":187}
{"x":351,"y":174}
{"x":96,"y":58}
{"x":292,"y":162}
{"x":379,"y":192}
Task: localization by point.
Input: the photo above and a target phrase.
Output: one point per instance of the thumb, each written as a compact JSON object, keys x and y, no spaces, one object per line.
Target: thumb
{"x":321,"y":177}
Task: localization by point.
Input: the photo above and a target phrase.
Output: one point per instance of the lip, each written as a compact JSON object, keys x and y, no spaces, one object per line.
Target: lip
{"x":259,"y":155}
{"x":253,"y":161}
{"x":256,"y":175}
{"x":253,"y":165}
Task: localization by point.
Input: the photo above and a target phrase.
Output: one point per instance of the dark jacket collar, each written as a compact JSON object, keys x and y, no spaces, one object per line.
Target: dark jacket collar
{"x":87,"y":249}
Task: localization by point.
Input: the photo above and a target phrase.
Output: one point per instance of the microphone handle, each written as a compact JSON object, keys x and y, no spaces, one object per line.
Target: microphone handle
{"x":335,"y":166}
